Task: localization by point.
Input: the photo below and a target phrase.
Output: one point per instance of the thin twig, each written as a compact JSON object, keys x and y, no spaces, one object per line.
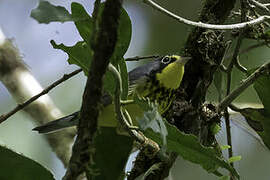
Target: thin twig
{"x":65,"y":77}
{"x":227,"y":116}
{"x":252,"y":47}
{"x":137,"y":58}
{"x":19,"y":107}
{"x":246,"y":83}
{"x":228,"y":132}
{"x":260,"y":5}
{"x":234,"y":61}
{"x":205,"y":25}
{"x":239,"y":66}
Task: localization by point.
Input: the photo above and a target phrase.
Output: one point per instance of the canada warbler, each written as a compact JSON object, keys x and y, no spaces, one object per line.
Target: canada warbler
{"x":156,"y":80}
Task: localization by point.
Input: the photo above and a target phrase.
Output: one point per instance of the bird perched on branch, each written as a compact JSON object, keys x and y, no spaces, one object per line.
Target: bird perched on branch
{"x":156,"y":80}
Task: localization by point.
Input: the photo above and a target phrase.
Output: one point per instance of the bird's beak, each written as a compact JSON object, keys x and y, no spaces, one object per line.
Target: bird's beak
{"x":183,"y":60}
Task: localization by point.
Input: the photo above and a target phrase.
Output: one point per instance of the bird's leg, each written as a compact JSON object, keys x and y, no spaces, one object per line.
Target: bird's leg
{"x":126,"y":102}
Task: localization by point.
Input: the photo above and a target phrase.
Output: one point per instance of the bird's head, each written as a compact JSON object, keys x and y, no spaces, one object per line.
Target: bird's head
{"x":170,"y":71}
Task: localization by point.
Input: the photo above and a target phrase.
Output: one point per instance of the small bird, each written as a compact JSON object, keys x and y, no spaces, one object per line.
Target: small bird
{"x":156,"y":80}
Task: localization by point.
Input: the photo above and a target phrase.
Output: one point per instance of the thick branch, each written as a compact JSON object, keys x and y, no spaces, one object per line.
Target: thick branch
{"x":22,"y":86}
{"x":19,"y":107}
{"x":106,"y":37}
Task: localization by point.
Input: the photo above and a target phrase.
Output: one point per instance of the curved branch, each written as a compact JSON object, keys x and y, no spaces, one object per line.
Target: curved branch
{"x":205,"y":25}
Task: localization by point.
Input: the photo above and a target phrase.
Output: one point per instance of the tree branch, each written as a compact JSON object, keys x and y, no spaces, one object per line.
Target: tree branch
{"x":205,"y":25}
{"x":19,"y":107}
{"x":65,"y":77}
{"x":137,"y":58}
{"x":246,"y":83}
{"x":83,"y":148}
{"x":22,"y":86}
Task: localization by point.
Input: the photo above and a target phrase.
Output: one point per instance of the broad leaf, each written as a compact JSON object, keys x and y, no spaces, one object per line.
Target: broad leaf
{"x":219,"y":82}
{"x":79,"y":54}
{"x":124,"y":35}
{"x":190,"y":149}
{"x":109,"y":81}
{"x":262,"y":87}
{"x":259,"y":120}
{"x":84,"y":23}
{"x":15,"y":166}
{"x":111,"y":154}
{"x":46,"y":13}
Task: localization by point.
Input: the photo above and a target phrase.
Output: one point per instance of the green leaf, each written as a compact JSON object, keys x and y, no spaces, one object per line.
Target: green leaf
{"x":84,"y":22}
{"x":262,"y":87}
{"x":190,"y":149}
{"x":215,"y":128}
{"x":46,"y":13}
{"x":124,"y":36}
{"x":109,"y":81}
{"x":218,"y":82}
{"x":111,"y":154}
{"x":234,"y":159}
{"x":224,"y":147}
{"x":225,"y":178}
{"x":15,"y":166}
{"x":79,"y":54}
{"x":259,"y":120}
{"x":124,"y":77}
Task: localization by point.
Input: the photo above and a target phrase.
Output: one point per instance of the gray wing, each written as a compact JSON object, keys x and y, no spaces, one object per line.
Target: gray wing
{"x":138,"y":74}
{"x":142,"y":73}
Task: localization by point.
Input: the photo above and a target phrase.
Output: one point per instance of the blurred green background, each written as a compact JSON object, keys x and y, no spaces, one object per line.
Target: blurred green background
{"x":152,"y":34}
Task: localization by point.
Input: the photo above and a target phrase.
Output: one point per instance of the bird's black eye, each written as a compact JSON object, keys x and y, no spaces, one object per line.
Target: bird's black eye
{"x":166,"y":60}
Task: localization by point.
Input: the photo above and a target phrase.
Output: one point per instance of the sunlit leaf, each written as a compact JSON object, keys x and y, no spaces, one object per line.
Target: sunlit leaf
{"x":46,"y":13}
{"x":234,"y":159}
{"x":15,"y":166}
{"x":224,"y":147}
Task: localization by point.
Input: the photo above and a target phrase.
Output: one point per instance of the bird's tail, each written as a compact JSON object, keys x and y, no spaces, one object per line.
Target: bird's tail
{"x":64,"y":122}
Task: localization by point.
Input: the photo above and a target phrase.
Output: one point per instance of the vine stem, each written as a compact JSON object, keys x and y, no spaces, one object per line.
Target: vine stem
{"x":123,"y":116}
